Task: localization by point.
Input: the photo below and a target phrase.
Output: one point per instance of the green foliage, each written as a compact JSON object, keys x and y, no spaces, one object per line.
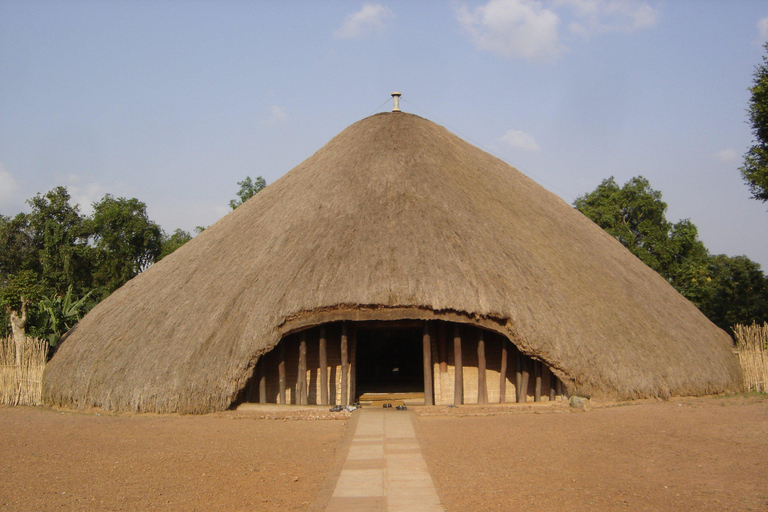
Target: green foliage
{"x":739,"y":292}
{"x":59,"y":240}
{"x":635,"y":215}
{"x":20,"y":290}
{"x":60,"y":313}
{"x":173,"y":241}
{"x":127,"y":241}
{"x":728,"y":290}
{"x":248,"y":189}
{"x":755,"y":168}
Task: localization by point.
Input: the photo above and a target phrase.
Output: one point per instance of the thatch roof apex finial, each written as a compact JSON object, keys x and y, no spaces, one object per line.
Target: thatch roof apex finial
{"x":396,"y":99}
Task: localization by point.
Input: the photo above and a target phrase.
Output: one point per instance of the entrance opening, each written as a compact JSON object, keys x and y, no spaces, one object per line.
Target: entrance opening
{"x":389,"y":361}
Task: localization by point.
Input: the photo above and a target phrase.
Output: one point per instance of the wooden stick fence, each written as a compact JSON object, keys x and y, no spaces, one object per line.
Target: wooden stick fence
{"x":752,"y":347}
{"x":22,"y":384}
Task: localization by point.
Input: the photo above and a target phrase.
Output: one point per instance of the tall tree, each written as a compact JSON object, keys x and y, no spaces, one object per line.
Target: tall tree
{"x":727,"y":289}
{"x":248,"y":189}
{"x":173,"y":241}
{"x":755,"y":168}
{"x":127,"y":240}
{"x":59,"y":240}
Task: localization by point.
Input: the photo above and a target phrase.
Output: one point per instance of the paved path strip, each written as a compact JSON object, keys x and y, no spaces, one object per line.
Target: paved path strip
{"x":385,"y":470}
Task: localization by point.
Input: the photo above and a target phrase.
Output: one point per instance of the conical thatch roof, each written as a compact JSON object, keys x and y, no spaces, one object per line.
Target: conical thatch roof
{"x":394,"y":218}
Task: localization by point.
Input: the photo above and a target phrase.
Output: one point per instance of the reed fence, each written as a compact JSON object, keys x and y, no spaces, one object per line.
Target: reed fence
{"x":752,"y":347}
{"x":22,"y":384}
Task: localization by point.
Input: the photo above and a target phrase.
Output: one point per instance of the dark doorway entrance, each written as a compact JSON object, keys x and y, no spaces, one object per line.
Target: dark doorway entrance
{"x":389,"y":361}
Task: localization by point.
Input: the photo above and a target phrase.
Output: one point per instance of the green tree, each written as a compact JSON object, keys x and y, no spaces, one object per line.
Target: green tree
{"x":738,"y":292}
{"x":727,"y":289}
{"x":248,"y":189}
{"x":51,"y":240}
{"x":173,"y":241}
{"x":126,"y":239}
{"x":19,"y":291}
{"x":635,"y":215}
{"x":755,"y":168}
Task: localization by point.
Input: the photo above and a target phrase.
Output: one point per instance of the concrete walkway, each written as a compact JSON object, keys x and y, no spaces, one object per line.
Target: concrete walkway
{"x":384,"y":471}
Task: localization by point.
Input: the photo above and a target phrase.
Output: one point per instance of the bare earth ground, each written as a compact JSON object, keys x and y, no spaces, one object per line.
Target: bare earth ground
{"x":51,"y":461}
{"x":705,"y":454}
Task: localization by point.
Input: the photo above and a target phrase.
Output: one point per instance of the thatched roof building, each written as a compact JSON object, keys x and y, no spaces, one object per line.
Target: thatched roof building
{"x":394,"y":219}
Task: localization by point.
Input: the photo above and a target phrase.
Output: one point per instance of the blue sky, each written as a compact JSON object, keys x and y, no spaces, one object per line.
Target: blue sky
{"x":175,"y":102}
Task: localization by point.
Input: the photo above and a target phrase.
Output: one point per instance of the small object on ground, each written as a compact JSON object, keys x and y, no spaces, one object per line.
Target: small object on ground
{"x":350,"y":408}
{"x":336,"y":408}
{"x":452,"y":407}
{"x":401,"y":408}
{"x":386,"y":406}
{"x":580,"y":402}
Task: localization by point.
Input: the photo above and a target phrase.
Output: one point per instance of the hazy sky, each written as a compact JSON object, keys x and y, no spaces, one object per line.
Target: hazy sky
{"x":174,"y":102}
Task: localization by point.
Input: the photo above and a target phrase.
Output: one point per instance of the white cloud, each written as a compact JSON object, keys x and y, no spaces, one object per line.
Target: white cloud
{"x":598,"y":16}
{"x":727,"y":155}
{"x":276,"y":115}
{"x":370,"y":18}
{"x":520,"y":140}
{"x":530,"y":29}
{"x":8,"y":189}
{"x":762,"y":28}
{"x":513,"y":28}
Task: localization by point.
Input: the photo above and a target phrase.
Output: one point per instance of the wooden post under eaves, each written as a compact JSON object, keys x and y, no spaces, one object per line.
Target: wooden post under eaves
{"x":552,"y":379}
{"x":503,"y":373}
{"x":323,"y":368}
{"x":518,"y":374}
{"x":482,"y":391}
{"x":458,"y":369}
{"x":524,"y":365}
{"x":442,"y":348}
{"x":344,"y":364}
{"x":262,"y":367}
{"x":426,"y":342}
{"x":302,"y":380}
{"x":281,"y":370}
{"x":352,"y":363}
{"x":537,"y":390}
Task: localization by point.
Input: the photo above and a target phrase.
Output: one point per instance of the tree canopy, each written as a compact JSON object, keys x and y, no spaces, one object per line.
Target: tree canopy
{"x":248,"y":189}
{"x":755,"y":168}
{"x":728,"y":290}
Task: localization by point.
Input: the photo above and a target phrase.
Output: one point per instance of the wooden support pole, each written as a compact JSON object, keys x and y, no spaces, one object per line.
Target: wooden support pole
{"x":352,"y":364}
{"x":482,"y":389}
{"x":559,"y":387}
{"x":281,"y":370}
{"x":503,"y":373}
{"x":552,"y":380}
{"x":262,"y":367}
{"x":458,"y":369}
{"x":323,"y":356}
{"x":344,"y":365}
{"x":426,"y":343}
{"x":537,"y":373}
{"x":525,"y":371}
{"x":518,"y":373}
{"x":301,"y":383}
{"x":442,"y":348}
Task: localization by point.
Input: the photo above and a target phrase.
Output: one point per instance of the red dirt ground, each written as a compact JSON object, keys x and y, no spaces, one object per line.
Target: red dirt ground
{"x":706,"y":454}
{"x":55,"y":461}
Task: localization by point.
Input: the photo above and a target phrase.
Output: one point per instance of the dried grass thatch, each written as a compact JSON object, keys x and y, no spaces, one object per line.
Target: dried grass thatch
{"x":394,"y":218}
